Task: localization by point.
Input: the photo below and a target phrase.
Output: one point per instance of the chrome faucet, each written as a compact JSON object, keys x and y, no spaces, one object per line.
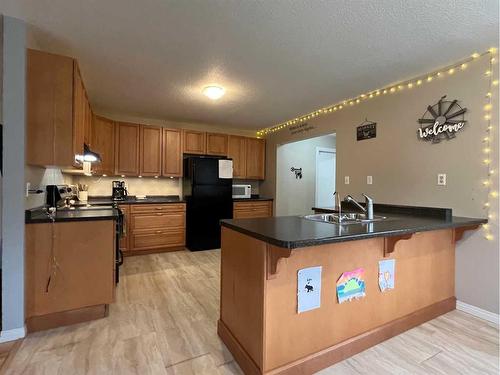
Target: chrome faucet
{"x":368,"y":209}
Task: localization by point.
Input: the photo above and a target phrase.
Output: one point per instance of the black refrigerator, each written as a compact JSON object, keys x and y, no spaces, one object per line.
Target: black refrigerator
{"x":208,"y":200}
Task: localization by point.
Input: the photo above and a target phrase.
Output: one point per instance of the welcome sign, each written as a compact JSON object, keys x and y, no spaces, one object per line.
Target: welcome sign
{"x":441,"y":121}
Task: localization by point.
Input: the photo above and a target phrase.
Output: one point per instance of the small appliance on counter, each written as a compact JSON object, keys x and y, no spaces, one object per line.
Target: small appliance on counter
{"x":119,"y":191}
{"x":242,"y":191}
{"x":60,"y":195}
{"x":207,"y":191}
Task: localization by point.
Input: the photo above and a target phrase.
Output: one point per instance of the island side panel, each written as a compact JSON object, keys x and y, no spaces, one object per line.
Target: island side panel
{"x":242,"y":297}
{"x":424,"y":276}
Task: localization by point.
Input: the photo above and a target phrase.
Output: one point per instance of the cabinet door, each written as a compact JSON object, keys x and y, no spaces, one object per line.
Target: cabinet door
{"x":256,"y":158}
{"x":127,"y":149}
{"x":194,"y":142}
{"x":150,"y":151}
{"x":124,"y":240}
{"x":49,"y":109}
{"x":216,"y":144}
{"x":237,"y":150}
{"x":79,"y":109}
{"x":172,"y":153}
{"x":87,"y":138}
{"x":103,"y":142}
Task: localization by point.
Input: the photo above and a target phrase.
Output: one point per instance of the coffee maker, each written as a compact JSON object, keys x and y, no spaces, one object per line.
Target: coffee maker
{"x":119,"y":191}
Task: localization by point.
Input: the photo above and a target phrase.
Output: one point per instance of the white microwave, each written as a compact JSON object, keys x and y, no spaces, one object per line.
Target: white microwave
{"x":242,"y":191}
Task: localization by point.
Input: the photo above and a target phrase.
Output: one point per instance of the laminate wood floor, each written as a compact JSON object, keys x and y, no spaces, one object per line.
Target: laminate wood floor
{"x":164,"y":322}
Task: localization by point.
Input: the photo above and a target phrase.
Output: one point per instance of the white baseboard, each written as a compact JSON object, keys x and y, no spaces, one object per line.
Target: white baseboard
{"x":478,"y":312}
{"x":12,"y":334}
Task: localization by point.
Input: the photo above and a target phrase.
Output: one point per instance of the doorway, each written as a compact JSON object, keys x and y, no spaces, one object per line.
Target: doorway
{"x":305,"y":175}
{"x":325,"y":176}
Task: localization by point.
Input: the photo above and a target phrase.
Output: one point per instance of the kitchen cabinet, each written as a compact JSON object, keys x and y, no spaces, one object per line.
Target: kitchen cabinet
{"x":56,"y":102}
{"x":194,"y":142}
{"x":217,"y":144}
{"x":156,"y":227}
{"x":127,"y":149}
{"x":236,"y":150}
{"x":124,"y":240}
{"x":70,"y":272}
{"x":103,"y":142}
{"x":252,"y":209}
{"x":172,"y":153}
{"x":150,"y":151}
{"x":255,"y":158}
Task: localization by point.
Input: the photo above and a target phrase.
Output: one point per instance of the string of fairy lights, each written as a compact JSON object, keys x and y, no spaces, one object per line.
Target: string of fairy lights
{"x":490,"y":172}
{"x":491,"y":193}
{"x":391,"y":89}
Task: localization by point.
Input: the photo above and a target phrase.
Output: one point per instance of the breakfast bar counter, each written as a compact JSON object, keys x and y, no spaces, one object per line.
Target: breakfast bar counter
{"x":273,"y":325}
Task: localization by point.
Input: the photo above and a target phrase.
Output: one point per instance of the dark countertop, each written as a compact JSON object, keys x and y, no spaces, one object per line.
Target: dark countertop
{"x":294,"y":231}
{"x":158,"y":199}
{"x":252,"y":198}
{"x":131,"y":199}
{"x":39,"y":215}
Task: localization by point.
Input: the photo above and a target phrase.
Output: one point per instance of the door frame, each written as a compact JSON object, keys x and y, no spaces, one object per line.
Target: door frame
{"x":318,"y":150}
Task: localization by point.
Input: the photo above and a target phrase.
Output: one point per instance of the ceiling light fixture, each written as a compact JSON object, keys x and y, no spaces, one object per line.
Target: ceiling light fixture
{"x":214,"y":92}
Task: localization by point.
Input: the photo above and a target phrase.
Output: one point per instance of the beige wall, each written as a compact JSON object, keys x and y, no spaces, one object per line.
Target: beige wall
{"x":405,"y":169}
{"x":297,"y":196}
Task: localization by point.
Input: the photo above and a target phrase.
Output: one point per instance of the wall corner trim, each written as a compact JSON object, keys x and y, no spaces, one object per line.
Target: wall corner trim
{"x":12,"y":334}
{"x":478,"y":312}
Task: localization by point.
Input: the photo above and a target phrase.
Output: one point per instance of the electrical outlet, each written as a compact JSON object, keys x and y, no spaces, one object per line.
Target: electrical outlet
{"x":346,"y":180}
{"x":369,"y":180}
{"x":441,"y":181}
{"x":28,"y":187}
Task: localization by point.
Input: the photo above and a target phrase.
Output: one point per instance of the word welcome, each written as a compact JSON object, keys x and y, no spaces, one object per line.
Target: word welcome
{"x":437,"y":128}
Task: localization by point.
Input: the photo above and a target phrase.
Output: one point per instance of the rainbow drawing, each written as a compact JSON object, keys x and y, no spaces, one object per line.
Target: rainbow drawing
{"x":351,"y":285}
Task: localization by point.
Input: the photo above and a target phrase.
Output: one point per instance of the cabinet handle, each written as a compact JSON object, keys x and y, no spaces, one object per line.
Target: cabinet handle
{"x":158,"y":231}
{"x":159,"y":214}
{"x":159,"y":208}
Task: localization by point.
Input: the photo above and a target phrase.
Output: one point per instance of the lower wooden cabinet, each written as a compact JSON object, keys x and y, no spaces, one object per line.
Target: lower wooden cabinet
{"x":70,"y":272}
{"x":252,"y":209}
{"x":154,"y":227}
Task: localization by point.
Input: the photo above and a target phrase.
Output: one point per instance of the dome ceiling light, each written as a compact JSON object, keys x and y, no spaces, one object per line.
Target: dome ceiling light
{"x":214,"y":92}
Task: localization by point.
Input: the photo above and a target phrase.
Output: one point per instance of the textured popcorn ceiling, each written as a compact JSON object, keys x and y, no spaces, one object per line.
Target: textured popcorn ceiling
{"x":277,"y":59}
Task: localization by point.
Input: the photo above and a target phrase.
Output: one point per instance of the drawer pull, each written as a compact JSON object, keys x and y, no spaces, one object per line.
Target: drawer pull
{"x":159,"y":208}
{"x":158,"y":231}
{"x":159,"y":214}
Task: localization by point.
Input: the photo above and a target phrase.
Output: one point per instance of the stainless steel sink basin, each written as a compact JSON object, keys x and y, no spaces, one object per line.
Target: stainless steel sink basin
{"x":345,"y":218}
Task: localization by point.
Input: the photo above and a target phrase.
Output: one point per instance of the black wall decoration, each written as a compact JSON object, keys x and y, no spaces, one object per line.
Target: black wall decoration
{"x":441,"y":121}
{"x":366,"y":130}
{"x":298,"y":172}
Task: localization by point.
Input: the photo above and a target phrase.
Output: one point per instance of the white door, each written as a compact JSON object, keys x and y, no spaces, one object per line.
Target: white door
{"x":325,"y":177}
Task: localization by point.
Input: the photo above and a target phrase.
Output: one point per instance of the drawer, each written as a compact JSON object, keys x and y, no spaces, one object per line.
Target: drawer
{"x":251,"y":213}
{"x":148,"y":208}
{"x":252,"y":205}
{"x":157,"y":239}
{"x":160,"y":220}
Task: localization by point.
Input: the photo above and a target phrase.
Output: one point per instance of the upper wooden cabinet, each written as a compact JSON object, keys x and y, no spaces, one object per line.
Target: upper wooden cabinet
{"x":127,"y":149}
{"x":255,"y":158}
{"x":150,"y":151}
{"x":103,"y":142}
{"x":172,"y":153}
{"x":194,"y":142}
{"x":237,"y":150}
{"x":56,"y":102}
{"x":217,"y":144}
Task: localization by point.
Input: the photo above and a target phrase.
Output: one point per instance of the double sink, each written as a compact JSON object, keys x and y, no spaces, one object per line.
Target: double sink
{"x":344,"y":218}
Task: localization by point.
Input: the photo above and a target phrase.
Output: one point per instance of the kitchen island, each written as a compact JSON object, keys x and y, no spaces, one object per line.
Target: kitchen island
{"x":260,"y":263}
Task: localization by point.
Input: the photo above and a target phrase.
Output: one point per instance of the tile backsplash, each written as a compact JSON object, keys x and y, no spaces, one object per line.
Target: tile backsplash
{"x":135,"y":185}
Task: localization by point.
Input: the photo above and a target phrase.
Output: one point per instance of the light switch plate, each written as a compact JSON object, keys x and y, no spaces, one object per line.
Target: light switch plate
{"x":441,"y":180}
{"x":369,"y":180}
{"x":28,"y":187}
{"x":346,"y":180}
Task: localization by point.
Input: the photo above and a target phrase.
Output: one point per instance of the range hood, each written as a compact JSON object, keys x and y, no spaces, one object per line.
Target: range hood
{"x":88,"y":155}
